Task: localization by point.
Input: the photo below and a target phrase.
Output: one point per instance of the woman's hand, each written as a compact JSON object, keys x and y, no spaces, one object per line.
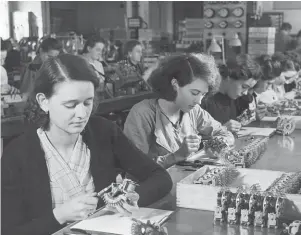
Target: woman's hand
{"x":233,"y":126}
{"x":77,"y":208}
{"x":261,"y":111}
{"x":128,"y":206}
{"x":191,"y":144}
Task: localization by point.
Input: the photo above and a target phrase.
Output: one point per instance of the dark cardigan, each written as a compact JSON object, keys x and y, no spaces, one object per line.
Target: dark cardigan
{"x":25,"y":185}
{"x":221,"y":107}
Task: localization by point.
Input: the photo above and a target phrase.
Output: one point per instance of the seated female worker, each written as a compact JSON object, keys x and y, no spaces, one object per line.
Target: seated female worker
{"x":50,"y":174}
{"x":238,"y":76}
{"x":172,"y":126}
{"x":256,"y":97}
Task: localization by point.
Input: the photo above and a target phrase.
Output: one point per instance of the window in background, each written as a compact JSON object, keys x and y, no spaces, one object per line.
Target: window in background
{"x":4,"y":22}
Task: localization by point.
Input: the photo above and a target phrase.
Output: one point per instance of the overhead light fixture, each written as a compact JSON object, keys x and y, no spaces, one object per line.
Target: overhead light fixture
{"x":235,"y":41}
{"x":214,"y":47}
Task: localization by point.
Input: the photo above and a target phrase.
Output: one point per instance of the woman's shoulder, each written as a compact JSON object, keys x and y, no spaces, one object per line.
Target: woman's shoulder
{"x":18,"y":148}
{"x":211,"y":100}
{"x":146,"y":108}
{"x":97,"y":122}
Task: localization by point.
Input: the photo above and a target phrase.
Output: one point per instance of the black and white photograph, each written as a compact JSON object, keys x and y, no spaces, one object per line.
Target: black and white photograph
{"x":150,"y":117}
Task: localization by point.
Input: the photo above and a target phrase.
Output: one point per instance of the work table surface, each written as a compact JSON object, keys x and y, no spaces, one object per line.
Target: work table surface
{"x":283,"y":154}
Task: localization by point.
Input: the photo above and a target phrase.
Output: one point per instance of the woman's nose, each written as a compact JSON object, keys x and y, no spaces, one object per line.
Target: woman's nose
{"x":245,"y":92}
{"x":81,"y":111}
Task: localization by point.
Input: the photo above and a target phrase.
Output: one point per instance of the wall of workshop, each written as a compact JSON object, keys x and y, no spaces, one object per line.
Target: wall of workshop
{"x":161,"y":16}
{"x":100,"y":14}
{"x":291,"y":10}
{"x":87,"y":15}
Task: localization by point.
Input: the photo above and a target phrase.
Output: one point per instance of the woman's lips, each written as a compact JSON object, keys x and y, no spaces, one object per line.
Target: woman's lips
{"x":78,"y":123}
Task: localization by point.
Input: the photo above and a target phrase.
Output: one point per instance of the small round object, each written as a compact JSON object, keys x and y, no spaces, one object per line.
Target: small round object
{"x":223,"y":12}
{"x":238,"y":12}
{"x":209,"y":13}
{"x":223,"y":24}
{"x":209,"y":24}
{"x":238,"y":24}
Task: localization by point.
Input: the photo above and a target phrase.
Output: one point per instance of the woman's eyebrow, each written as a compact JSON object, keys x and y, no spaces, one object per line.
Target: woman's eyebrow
{"x":71,"y":101}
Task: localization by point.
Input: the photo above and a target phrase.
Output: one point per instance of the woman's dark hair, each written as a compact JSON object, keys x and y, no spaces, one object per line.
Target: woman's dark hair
{"x":286,"y":60}
{"x":270,"y":68}
{"x":286,"y":26}
{"x":64,"y":67}
{"x":295,"y":58}
{"x":243,"y":67}
{"x":50,"y":44}
{"x":4,"y":45}
{"x":185,"y":69}
{"x":129,"y":46}
{"x":91,"y":42}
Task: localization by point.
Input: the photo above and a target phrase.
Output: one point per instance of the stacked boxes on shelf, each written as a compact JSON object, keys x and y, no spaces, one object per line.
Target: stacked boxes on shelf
{"x":261,"y":41}
{"x":194,"y":29}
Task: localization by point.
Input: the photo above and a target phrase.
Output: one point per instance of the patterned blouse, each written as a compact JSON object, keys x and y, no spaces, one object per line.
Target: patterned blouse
{"x":70,"y":177}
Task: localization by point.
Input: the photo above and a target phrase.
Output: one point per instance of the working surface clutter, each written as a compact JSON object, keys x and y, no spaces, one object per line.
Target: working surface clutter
{"x":115,"y":223}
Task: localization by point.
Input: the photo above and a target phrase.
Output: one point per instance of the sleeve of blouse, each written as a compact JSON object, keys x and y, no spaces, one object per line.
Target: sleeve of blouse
{"x":14,"y":219}
{"x":208,"y":126}
{"x":139,"y":129}
{"x":154,"y":181}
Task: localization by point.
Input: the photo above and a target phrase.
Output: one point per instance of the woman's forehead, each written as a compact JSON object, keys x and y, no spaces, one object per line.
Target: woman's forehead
{"x":73,"y":90}
{"x":250,"y":82}
{"x":198,"y":84}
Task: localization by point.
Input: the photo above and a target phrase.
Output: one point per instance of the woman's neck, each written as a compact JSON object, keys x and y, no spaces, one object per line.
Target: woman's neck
{"x":88,"y":58}
{"x":133,"y":62}
{"x":223,"y":87}
{"x":169,"y":108}
{"x":61,"y":139}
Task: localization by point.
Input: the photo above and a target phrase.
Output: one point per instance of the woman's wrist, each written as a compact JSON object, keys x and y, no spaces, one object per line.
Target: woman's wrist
{"x":58,"y":215}
{"x":179,"y":156}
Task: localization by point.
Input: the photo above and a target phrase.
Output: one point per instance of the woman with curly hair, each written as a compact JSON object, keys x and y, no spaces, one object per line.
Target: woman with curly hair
{"x":172,"y":126}
{"x":51,"y":174}
{"x":238,"y":76}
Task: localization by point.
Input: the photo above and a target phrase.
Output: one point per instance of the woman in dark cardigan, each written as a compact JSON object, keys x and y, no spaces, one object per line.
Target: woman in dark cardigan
{"x":50,"y":175}
{"x":238,"y":76}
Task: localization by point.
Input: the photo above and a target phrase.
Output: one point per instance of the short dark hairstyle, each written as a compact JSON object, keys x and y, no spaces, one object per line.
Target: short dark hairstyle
{"x":129,"y":46}
{"x":242,"y":67}
{"x":4,"y":45}
{"x":50,"y":44}
{"x":286,"y":26}
{"x":91,"y":42}
{"x":53,"y":71}
{"x":295,"y":58}
{"x":270,"y":68}
{"x":299,"y":34}
{"x":289,"y":60}
{"x":185,"y":69}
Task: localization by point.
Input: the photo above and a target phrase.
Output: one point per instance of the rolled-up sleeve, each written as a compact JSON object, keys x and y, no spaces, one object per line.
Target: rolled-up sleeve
{"x":208,"y":126}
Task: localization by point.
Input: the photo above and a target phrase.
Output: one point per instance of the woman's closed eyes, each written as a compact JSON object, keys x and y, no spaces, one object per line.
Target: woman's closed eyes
{"x":197,"y":92}
{"x":73,"y":104}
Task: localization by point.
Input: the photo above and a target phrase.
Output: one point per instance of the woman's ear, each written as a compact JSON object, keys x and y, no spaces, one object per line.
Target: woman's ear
{"x":175,"y":84}
{"x":43,"y":102}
